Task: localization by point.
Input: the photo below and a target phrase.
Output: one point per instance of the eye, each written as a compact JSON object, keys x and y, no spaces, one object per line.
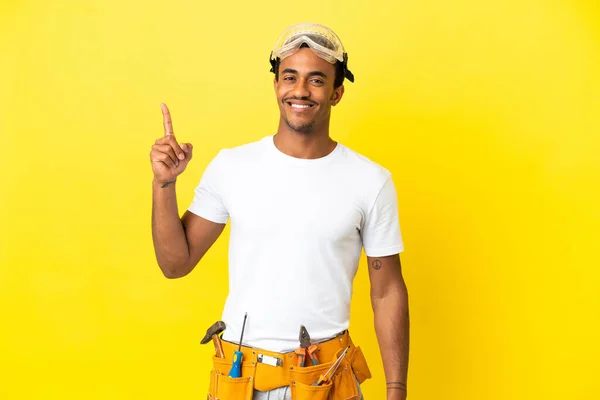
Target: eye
{"x":288,"y":78}
{"x":317,"y":81}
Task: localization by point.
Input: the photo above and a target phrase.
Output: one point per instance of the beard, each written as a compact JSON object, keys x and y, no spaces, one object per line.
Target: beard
{"x":305,"y":129}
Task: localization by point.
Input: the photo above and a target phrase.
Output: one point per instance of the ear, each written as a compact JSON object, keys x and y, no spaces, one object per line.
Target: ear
{"x":337,"y":95}
{"x":275,"y":84}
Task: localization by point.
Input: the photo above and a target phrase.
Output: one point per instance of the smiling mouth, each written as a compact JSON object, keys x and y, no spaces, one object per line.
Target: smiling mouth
{"x":299,"y":107}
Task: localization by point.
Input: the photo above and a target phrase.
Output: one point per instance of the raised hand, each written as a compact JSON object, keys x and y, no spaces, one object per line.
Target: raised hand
{"x":169,"y":159}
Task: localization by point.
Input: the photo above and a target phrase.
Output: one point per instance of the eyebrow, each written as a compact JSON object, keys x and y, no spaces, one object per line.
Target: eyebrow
{"x":311,"y":73}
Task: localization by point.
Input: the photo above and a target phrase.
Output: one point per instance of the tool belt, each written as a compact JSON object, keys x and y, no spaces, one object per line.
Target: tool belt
{"x":266,"y":370}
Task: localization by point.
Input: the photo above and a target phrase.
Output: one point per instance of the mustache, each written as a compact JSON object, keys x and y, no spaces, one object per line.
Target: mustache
{"x":299,"y":98}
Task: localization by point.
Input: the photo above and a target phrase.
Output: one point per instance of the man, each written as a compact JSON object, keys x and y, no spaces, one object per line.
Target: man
{"x":302,"y":207}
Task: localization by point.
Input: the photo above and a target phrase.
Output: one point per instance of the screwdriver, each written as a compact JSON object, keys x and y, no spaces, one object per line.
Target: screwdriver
{"x":326,"y":377}
{"x":236,"y":367}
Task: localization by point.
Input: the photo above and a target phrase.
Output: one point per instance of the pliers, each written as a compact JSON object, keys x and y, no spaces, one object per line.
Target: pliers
{"x":306,"y":347}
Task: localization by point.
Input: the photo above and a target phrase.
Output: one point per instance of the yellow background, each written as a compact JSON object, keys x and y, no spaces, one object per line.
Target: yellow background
{"x":485,"y":112}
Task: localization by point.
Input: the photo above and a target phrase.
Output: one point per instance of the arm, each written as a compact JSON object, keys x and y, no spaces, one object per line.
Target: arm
{"x":179,"y":244}
{"x":389,"y":298}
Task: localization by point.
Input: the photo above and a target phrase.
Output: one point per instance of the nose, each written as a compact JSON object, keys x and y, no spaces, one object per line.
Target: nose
{"x":300,"y":89}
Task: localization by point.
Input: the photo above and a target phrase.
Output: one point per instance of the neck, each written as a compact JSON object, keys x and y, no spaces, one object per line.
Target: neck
{"x":312,"y":145}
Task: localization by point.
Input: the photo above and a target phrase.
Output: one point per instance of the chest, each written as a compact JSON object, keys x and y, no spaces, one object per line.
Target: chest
{"x":296,"y":205}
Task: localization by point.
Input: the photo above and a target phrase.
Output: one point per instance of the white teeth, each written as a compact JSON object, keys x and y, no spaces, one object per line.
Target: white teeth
{"x":300,"y":105}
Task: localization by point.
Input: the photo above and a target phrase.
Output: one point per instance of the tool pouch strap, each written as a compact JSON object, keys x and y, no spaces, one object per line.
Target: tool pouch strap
{"x":281,"y":370}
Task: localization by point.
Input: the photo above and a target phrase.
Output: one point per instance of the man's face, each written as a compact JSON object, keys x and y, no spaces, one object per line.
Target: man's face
{"x":305,"y":91}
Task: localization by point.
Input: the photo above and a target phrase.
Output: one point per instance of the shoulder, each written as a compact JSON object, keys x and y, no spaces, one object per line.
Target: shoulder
{"x":243,"y":153}
{"x":362,"y":167}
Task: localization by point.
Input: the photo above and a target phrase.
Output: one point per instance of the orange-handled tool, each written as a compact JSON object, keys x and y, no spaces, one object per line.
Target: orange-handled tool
{"x":306,"y":347}
{"x":326,"y":377}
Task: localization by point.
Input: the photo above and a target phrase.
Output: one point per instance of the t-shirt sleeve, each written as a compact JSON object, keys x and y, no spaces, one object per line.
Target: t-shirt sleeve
{"x":381,"y":230}
{"x":208,"y":195}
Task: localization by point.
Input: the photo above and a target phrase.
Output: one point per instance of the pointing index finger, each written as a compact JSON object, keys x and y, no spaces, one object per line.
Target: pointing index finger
{"x":167,"y":122}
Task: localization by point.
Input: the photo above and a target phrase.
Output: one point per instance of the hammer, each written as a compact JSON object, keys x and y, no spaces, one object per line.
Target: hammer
{"x":213,"y":332}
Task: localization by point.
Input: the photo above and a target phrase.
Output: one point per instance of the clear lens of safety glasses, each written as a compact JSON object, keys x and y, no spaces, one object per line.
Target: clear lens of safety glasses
{"x":322,"y":40}
{"x":318,"y":37}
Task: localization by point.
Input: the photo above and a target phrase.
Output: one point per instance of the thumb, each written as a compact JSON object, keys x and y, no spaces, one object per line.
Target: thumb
{"x":187,"y":149}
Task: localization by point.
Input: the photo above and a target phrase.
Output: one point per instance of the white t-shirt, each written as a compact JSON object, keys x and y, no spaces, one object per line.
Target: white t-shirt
{"x":297,"y":230}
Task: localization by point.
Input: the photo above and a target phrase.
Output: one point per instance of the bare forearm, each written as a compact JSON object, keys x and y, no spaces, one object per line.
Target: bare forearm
{"x":168,"y":234}
{"x":392,"y":329}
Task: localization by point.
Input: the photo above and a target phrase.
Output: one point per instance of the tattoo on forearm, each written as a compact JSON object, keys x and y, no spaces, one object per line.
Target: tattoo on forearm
{"x":377,"y":264}
{"x":167,"y":184}
{"x":397,"y":386}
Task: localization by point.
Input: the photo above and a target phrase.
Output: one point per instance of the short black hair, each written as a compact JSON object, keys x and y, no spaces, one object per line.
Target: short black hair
{"x":339,"y":71}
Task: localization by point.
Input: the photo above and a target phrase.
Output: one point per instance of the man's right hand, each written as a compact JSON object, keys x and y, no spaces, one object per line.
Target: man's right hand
{"x":169,"y":159}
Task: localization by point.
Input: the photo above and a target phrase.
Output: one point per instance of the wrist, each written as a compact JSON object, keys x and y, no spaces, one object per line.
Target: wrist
{"x":396,"y":394}
{"x":396,"y":390}
{"x":158,"y":183}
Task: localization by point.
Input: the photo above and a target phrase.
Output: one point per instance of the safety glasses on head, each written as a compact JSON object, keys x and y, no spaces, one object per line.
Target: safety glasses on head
{"x":320,"y":39}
